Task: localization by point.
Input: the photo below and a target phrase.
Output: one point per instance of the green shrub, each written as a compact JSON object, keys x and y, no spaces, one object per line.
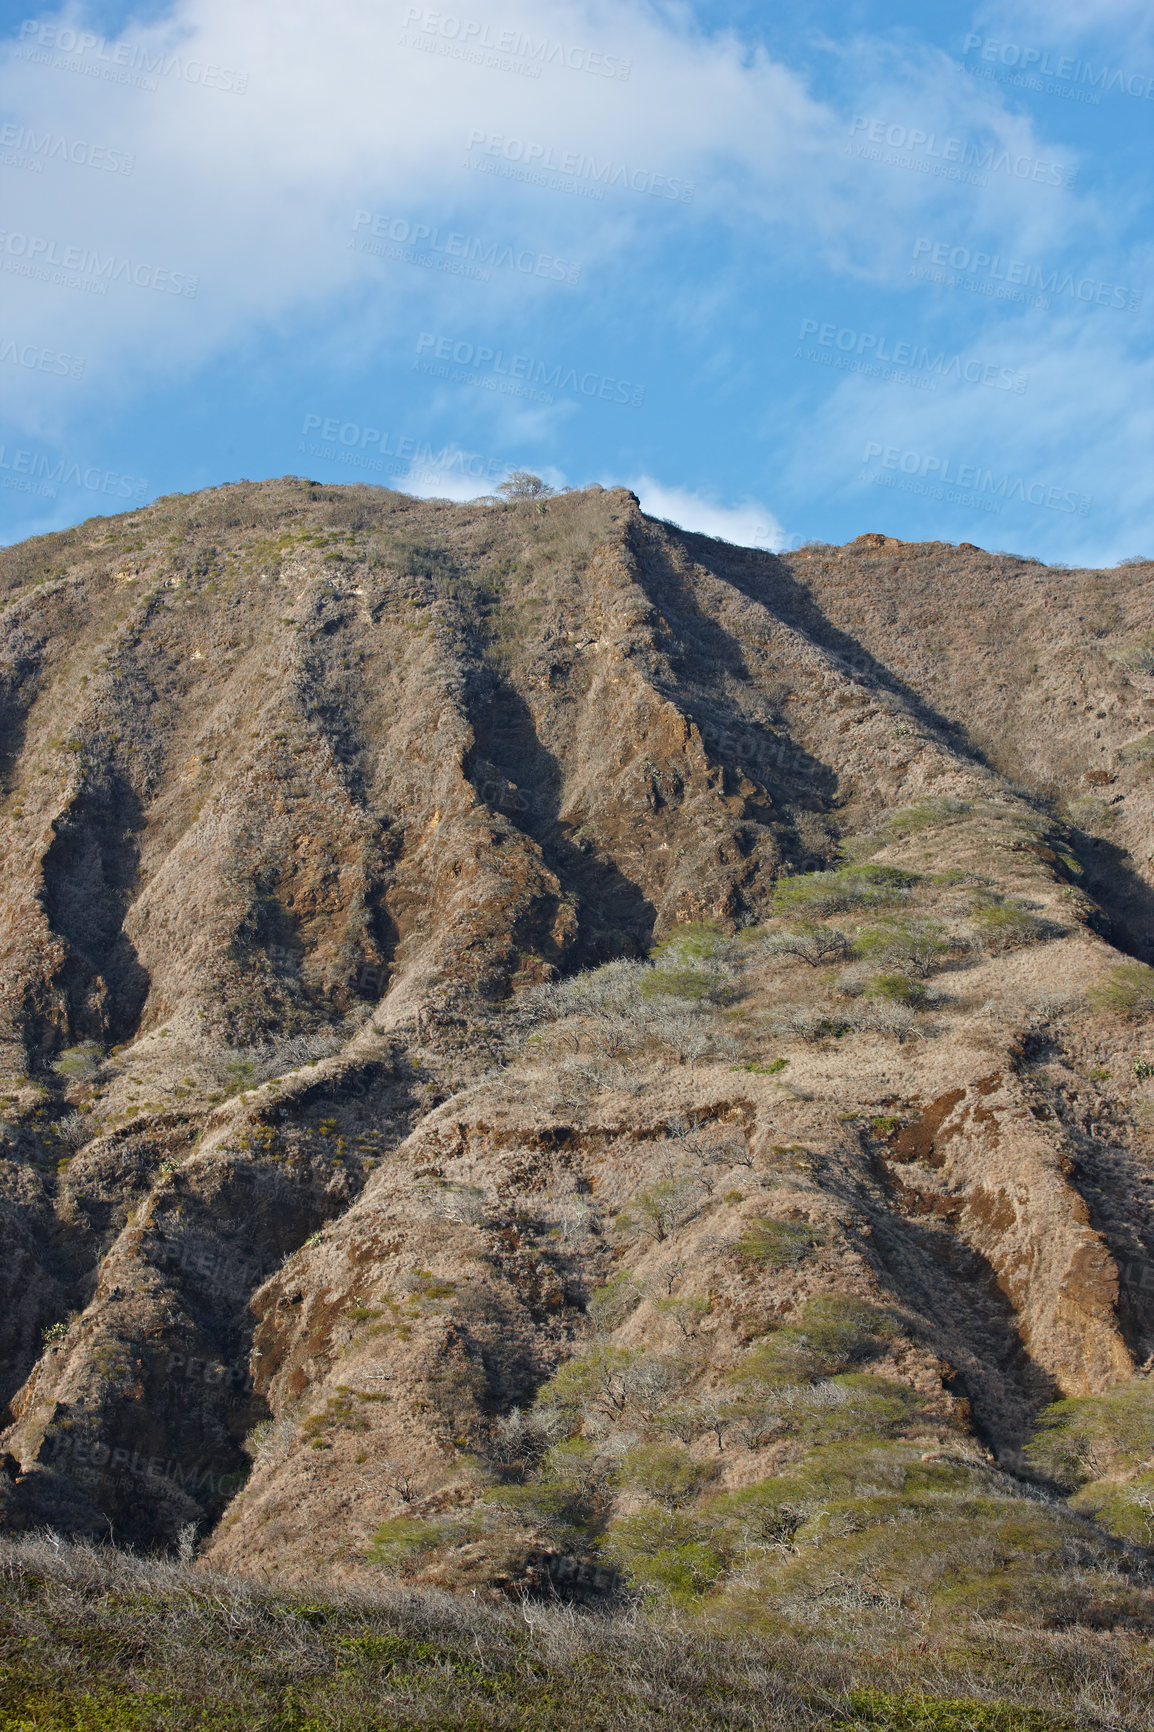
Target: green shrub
{"x":906,"y":821}
{"x":600,"y":1380}
{"x":612,"y":1304}
{"x":873,"y":1407}
{"x":695,"y":941}
{"x":1127,"y":990}
{"x":1126,"y":1509}
{"x":1089,"y":1437}
{"x":659,"y":1208}
{"x":79,"y":1063}
{"x":781,"y":1244}
{"x":1138,"y":655}
{"x":1139,"y":751}
{"x":1003,"y":926}
{"x":696,"y":962}
{"x":920,"y":946}
{"x":879,"y":1711}
{"x":881,"y":877}
{"x":698,"y":985}
{"x":895,"y":989}
{"x":855,"y":1407}
{"x":403,"y":1537}
{"x":667,"y":1553}
{"x":812,"y":893}
{"x":817,"y":893}
{"x":570,"y":1494}
{"x":666,"y":1474}
{"x":835,"y":1333}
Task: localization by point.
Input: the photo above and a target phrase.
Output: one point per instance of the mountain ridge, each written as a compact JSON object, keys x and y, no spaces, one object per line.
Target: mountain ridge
{"x":449,"y":949}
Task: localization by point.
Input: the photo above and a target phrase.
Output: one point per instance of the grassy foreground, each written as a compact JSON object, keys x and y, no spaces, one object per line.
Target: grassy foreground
{"x":97,"y":1641}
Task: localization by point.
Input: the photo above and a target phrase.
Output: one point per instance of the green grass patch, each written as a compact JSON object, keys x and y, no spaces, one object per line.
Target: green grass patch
{"x":778,"y":1244}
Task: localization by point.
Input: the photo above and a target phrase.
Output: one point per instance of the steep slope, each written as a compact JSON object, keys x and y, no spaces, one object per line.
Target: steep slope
{"x":372,"y":1205}
{"x":1045,"y":671}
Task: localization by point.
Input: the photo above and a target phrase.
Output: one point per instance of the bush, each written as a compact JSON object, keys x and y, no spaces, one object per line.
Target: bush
{"x":865,"y":1407}
{"x":920,"y":946}
{"x":813,"y":893}
{"x":659,"y":1208}
{"x":522,"y":485}
{"x":597,"y":991}
{"x":818,"y":893}
{"x":666,"y":1553}
{"x":906,"y":821}
{"x":1003,"y":926}
{"x":601,"y":1380}
{"x":881,"y":877}
{"x":664,"y":1473}
{"x":1127,"y":990}
{"x":613,"y":1303}
{"x":895,"y":989}
{"x":1126,"y":1510}
{"x":79,"y":1063}
{"x":808,"y":1022}
{"x":404,"y":1538}
{"x":570,"y":1494}
{"x":855,"y":1407}
{"x":809,"y":942}
{"x":781,"y":1244}
{"x":1138,"y":655}
{"x":897,"y":1020}
{"x":1091,"y":1436}
{"x":1139,"y":751}
{"x":696,"y":962}
{"x":835,"y":1333}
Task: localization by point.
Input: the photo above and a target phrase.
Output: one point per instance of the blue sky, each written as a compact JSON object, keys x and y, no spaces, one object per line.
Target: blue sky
{"x":790,"y":273}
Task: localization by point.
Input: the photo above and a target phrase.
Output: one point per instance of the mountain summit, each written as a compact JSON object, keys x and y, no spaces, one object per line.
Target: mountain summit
{"x":548,"y":1054}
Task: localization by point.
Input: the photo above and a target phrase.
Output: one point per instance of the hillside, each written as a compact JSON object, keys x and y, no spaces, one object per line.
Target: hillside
{"x":550,"y":1055}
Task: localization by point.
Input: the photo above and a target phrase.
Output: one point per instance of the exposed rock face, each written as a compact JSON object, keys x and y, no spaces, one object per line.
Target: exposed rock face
{"x":305,"y":789}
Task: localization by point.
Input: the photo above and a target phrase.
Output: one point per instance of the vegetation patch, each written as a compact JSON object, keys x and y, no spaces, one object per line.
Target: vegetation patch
{"x":779,"y":1244}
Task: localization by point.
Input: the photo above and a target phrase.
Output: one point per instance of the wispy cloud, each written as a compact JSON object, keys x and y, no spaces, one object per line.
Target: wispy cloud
{"x":747,"y":524}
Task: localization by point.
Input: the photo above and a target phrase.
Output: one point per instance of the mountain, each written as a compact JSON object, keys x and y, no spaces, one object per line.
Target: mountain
{"x":549,"y":1054}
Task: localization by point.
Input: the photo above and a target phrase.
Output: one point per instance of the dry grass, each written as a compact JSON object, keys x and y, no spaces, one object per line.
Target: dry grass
{"x":99,"y":1639}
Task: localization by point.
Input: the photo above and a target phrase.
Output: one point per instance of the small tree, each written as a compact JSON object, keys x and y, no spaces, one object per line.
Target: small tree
{"x":809,"y":942}
{"x":522,"y":485}
{"x":920,"y":946}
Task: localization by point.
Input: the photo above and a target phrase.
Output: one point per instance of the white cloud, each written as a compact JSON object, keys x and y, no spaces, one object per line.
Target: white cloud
{"x":254,"y":193}
{"x":1056,"y":22}
{"x":747,"y":525}
{"x":1071,"y":442}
